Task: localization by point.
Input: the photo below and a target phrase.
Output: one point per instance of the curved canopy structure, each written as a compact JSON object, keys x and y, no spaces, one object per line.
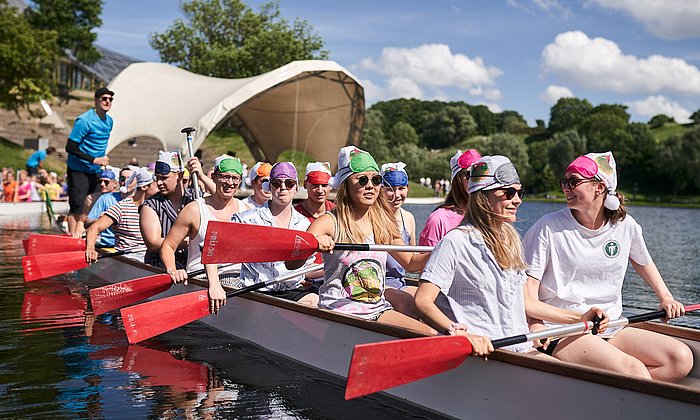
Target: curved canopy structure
{"x":312,"y":106}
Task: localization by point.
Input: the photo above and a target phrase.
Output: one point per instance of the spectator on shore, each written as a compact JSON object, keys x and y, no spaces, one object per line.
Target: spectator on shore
{"x":36,"y":160}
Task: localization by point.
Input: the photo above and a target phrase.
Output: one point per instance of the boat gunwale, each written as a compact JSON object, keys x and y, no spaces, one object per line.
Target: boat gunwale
{"x":678,"y":392}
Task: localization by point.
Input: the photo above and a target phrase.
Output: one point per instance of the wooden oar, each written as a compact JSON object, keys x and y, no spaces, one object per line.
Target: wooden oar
{"x":375,"y":367}
{"x":50,"y":244}
{"x":222,"y":243}
{"x":37,"y":267}
{"x":125,"y":293}
{"x":159,"y":316}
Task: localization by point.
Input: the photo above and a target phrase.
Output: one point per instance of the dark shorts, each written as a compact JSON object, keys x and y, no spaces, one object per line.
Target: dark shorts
{"x":80,"y":184}
{"x":32,"y":170}
{"x":294,"y":295}
{"x":553,"y":344}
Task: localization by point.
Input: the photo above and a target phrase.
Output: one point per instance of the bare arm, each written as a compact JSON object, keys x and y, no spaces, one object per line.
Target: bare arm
{"x":150,"y":228}
{"x":534,"y":308}
{"x":91,"y":236}
{"x":217,"y":295}
{"x":424,"y":305}
{"x":650,"y":274}
{"x":183,"y":227}
{"x":195,"y":167}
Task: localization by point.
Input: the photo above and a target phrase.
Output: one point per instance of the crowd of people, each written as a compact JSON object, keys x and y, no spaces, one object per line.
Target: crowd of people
{"x":482,"y":280}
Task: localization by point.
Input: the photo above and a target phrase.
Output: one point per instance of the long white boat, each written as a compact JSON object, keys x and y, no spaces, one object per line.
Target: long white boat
{"x":509,"y":385}
{"x":31,"y":207}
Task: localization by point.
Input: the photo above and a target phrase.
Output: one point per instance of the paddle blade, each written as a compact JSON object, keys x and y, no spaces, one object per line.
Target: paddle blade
{"x":25,"y":245}
{"x":38,"y":267}
{"x":227,"y":242}
{"x":119,"y":295}
{"x":375,"y":367}
{"x":48,"y":244}
{"x":153,"y":318}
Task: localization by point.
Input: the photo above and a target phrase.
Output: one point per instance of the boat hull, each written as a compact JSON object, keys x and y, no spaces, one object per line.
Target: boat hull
{"x":507,"y":386}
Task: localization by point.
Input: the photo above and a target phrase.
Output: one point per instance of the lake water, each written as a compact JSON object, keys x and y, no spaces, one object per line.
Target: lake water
{"x":58,"y":362}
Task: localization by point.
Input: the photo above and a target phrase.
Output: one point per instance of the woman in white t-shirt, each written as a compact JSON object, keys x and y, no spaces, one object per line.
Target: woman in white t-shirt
{"x":577,"y":258}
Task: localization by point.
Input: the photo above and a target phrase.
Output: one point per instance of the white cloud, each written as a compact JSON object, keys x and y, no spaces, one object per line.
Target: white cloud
{"x":599,"y":64}
{"x":413,"y":72}
{"x":665,"y":19}
{"x":553,"y":93}
{"x":657,"y":104}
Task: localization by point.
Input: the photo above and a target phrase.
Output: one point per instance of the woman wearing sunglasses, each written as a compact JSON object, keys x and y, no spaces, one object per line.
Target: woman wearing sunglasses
{"x":473,"y":284}
{"x":577,"y":257}
{"x":354,"y":281}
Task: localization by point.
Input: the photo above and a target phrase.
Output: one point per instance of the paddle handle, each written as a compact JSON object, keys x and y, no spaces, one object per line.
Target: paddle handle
{"x":296,"y":273}
{"x":387,"y":248}
{"x":195,"y":185}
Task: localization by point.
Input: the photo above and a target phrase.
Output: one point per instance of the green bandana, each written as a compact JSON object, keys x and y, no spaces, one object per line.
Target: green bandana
{"x":363,"y":162}
{"x":230,"y":165}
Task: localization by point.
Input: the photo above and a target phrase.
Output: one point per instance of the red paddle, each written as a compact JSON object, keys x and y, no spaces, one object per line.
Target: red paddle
{"x":125,"y":293}
{"x":375,"y":367}
{"x":37,"y":267}
{"x":238,"y":242}
{"x":159,"y":316}
{"x":49,"y":244}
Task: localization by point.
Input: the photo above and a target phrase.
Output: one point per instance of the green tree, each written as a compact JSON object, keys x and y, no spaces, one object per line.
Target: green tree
{"x":542,"y":178}
{"x":679,"y":158}
{"x":695,"y":117}
{"x":73,"y":20}
{"x":27,"y":56}
{"x":634,"y":149}
{"x":448,"y":127}
{"x":373,"y":138}
{"x":599,"y":125}
{"x":659,"y":120}
{"x":568,"y":113}
{"x":226,"y":38}
{"x":484,"y":118}
{"x":403,"y":133}
{"x":511,"y":122}
{"x":566,"y":146}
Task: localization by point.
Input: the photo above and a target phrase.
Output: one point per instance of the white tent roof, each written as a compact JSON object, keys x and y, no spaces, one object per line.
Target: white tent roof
{"x":313,"y":106}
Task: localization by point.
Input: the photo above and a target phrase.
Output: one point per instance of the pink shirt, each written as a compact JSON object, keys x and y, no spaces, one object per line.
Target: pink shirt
{"x":438,"y":224}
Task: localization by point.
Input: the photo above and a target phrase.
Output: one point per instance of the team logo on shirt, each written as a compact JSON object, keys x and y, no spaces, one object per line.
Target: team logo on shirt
{"x":611,"y":248}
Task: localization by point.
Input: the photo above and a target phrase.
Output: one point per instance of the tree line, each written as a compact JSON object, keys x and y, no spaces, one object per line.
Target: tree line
{"x":424,"y":134}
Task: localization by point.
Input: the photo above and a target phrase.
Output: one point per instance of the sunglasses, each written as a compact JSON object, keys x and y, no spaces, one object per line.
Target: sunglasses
{"x":572,"y":183}
{"x":511,"y":191}
{"x":105,"y":181}
{"x":106,"y":99}
{"x":234,"y":179}
{"x":277,"y":183}
{"x":364,"y":180}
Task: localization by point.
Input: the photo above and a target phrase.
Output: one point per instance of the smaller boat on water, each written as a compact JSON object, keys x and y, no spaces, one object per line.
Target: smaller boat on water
{"x":509,"y":385}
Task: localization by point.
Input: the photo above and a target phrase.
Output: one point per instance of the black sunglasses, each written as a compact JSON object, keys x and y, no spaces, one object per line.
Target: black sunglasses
{"x":277,"y":183}
{"x":574,"y":182}
{"x":104,"y":181}
{"x":364,"y":180}
{"x":511,"y":191}
{"x":106,"y":99}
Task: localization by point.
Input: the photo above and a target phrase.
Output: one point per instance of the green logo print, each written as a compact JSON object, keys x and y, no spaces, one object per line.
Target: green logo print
{"x":611,"y":248}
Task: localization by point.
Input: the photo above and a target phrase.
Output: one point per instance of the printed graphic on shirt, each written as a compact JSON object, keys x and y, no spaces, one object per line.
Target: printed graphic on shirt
{"x":362,"y":281}
{"x":611,"y":248}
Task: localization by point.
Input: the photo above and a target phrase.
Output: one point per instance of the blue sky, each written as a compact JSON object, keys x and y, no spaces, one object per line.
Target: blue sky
{"x":517,"y":55}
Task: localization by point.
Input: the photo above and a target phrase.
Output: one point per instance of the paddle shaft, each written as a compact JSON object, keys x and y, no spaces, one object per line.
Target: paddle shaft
{"x":582,"y":327}
{"x":387,"y":248}
{"x":301,"y":271}
{"x":122,"y":252}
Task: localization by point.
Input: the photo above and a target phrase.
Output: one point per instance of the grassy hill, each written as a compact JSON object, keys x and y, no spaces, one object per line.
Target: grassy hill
{"x":14,"y":156}
{"x":670,"y":129}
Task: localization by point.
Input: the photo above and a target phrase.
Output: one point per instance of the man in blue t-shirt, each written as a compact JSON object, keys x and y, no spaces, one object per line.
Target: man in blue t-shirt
{"x":35,"y":160}
{"x":86,"y":148}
